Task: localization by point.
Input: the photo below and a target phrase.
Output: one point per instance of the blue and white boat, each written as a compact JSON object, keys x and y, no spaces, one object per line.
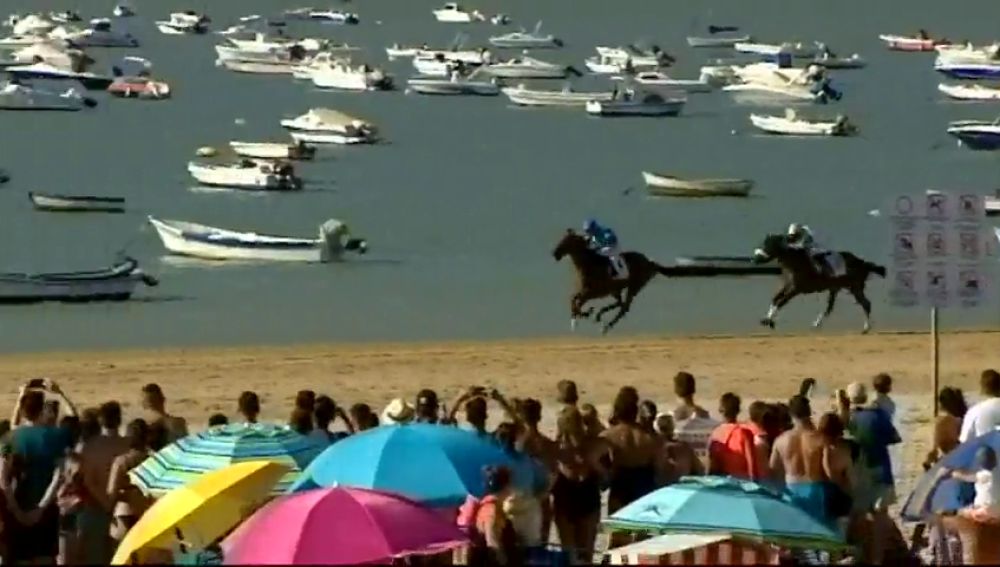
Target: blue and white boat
{"x":211,"y":243}
{"x":976,"y":134}
{"x":969,"y":70}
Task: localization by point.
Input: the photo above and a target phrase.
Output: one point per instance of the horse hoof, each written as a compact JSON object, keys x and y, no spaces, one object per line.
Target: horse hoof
{"x":817,"y":324}
{"x":605,"y":329}
{"x":767,"y":323}
{"x":866,"y":329}
{"x":572,"y":325}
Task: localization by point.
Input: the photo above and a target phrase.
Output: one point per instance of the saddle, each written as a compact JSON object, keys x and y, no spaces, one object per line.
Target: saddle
{"x":829,"y":264}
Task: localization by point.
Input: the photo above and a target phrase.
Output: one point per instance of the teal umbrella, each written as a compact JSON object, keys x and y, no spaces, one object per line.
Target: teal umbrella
{"x":215,"y":448}
{"x":726,"y":505}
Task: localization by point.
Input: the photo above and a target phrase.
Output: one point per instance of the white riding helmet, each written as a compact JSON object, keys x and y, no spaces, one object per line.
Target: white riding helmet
{"x":794,"y":229}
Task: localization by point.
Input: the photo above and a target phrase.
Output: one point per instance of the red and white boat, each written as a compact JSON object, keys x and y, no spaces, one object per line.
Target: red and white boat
{"x":920,"y":42}
{"x":139,"y":87}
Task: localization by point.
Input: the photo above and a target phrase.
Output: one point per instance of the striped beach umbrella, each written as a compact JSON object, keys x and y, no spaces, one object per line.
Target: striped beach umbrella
{"x":215,"y":448}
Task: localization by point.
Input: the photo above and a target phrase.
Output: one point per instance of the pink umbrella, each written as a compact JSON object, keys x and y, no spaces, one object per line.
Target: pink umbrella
{"x":339,"y":526}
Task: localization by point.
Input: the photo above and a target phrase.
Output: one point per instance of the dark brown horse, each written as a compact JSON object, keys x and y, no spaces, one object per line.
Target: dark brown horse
{"x":595,"y":279}
{"x":799,"y":276}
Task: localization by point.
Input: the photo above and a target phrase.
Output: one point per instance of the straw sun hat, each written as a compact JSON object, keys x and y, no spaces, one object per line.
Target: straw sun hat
{"x":398,"y":411}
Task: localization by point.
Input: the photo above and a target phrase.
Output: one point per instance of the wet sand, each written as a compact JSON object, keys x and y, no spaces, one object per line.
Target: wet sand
{"x":199,"y":382}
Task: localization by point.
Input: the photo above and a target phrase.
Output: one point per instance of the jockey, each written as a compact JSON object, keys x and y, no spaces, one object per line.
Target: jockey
{"x":801,"y":237}
{"x":604,"y":241}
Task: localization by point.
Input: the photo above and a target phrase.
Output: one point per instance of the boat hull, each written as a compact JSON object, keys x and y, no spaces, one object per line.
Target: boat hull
{"x":249,"y":179}
{"x":627,"y":108}
{"x":899,"y":43}
{"x":446,"y":87}
{"x":505,"y":72}
{"x":984,"y":138}
{"x":667,"y":185}
{"x":77,"y":204}
{"x":198,"y":244}
{"x":114,"y":284}
{"x":271,"y":151}
{"x":527,"y":97}
{"x":708,"y":42}
{"x":782,"y":126}
{"x":323,"y":137}
{"x":963,"y":92}
{"x":970,"y":71}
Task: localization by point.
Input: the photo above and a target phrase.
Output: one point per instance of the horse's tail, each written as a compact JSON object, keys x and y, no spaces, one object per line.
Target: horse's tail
{"x":875,"y":269}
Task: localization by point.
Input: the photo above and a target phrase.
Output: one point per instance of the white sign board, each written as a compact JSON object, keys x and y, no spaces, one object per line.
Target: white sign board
{"x":939,"y":248}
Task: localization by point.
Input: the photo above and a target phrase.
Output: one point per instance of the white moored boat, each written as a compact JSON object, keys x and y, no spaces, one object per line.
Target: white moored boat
{"x":795,"y":49}
{"x":526,"y":40}
{"x":200,"y":241}
{"x":668,"y":185}
{"x":342,"y":76}
{"x":453,"y":13}
{"x":99,"y":34}
{"x":717,"y":41}
{"x":180,"y":23}
{"x":523,"y":96}
{"x":327,"y":126}
{"x":793,"y":125}
{"x":637,"y":104}
{"x":528,"y":68}
{"x":273,"y":151}
{"x":921,"y":42}
{"x":660,"y":79}
{"x":14,"y":96}
{"x":116,"y":283}
{"x":830,"y":61}
{"x":472,"y":84}
{"x":652,"y":57}
{"x":397,"y":51}
{"x":246,"y":174}
{"x":76,"y":203}
{"x":337,"y":54}
{"x":259,"y":67}
{"x":970,"y":92}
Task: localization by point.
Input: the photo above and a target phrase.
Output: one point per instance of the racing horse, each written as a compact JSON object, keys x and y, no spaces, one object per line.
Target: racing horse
{"x":595,"y":280}
{"x":799,"y":276}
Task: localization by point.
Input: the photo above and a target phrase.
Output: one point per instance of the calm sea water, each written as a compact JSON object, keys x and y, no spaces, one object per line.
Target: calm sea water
{"x":463,"y":207}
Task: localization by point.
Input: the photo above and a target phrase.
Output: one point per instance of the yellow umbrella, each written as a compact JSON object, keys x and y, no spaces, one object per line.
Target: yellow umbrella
{"x":204,"y":510}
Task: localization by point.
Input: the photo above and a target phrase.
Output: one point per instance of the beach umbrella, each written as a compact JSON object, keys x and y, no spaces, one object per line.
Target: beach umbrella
{"x":215,"y":448}
{"x":436,"y":465}
{"x":203,"y":510}
{"x":726,"y":505}
{"x":339,"y":526}
{"x":936,"y":491}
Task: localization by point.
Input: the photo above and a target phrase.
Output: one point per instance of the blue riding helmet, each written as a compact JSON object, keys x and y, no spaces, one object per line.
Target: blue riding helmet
{"x":591,"y":226}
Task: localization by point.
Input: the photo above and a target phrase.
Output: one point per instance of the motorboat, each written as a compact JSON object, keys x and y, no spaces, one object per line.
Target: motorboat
{"x":321,"y":61}
{"x":260,"y":67}
{"x":263,"y":44}
{"x":795,"y":49}
{"x":474,"y":83}
{"x":14,"y":96}
{"x":55,"y":53}
{"x":638,"y":57}
{"x":480,"y":56}
{"x":764,"y":83}
{"x":660,"y":79}
{"x":526,"y":40}
{"x":246,"y":174}
{"x":971,"y":71}
{"x":141,"y":87}
{"x":791,"y":124}
{"x":32,"y":24}
{"x":116,"y":283}
{"x":76,"y":203}
{"x":830,"y":61}
{"x":437,"y":66}
{"x":976,"y":134}
{"x":567,"y":97}
{"x":65,"y":17}
{"x":397,"y":51}
{"x":187,"y":22}
{"x":970,"y":92}
{"x":211,"y":243}
{"x":341,"y":75}
{"x":528,"y":68}
{"x":334,"y":16}
{"x":630,"y":103}
{"x":454,"y":13}
{"x":99,"y":34}
{"x":327,"y":126}
{"x":967,"y":53}
{"x":920,"y":42}
{"x":662,"y":184}
{"x":123,"y":11}
{"x":273,"y":151}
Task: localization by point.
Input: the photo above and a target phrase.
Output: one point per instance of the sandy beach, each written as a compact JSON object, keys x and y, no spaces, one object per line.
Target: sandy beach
{"x":199,"y":382}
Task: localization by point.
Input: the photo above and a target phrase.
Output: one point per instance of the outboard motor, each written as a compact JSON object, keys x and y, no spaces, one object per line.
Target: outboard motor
{"x":336,"y":240}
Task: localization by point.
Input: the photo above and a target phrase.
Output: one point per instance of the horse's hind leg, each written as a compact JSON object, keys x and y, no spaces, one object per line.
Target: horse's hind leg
{"x":859,"y":296}
{"x":623,"y":308}
{"x":830,"y":300}
{"x":616,"y":304}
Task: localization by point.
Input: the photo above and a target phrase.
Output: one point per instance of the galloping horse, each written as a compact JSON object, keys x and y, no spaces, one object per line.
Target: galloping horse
{"x":799,"y":277}
{"x":594,"y":279}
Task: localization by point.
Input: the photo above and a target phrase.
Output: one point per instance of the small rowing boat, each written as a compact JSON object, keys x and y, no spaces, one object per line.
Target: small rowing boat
{"x":116,"y":283}
{"x":661,"y":184}
{"x":76,"y":203}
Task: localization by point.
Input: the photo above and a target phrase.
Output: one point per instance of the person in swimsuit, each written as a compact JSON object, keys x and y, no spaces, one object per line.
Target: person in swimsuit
{"x":680,"y":459}
{"x":576,"y":492}
{"x":534,"y":443}
{"x":797,"y":460}
{"x":634,"y":453}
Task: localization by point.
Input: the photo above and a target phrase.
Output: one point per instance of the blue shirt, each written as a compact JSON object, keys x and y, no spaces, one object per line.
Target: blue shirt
{"x":41,"y":447}
{"x":874,"y":433}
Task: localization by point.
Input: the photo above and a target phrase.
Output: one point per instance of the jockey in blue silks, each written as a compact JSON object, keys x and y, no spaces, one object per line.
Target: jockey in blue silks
{"x":604,"y":241}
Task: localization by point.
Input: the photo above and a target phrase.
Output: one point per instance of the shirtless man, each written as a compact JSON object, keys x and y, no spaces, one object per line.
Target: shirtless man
{"x":797,"y":460}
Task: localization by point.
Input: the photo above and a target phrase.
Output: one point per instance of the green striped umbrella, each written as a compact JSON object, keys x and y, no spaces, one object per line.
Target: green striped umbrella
{"x":218,"y":447}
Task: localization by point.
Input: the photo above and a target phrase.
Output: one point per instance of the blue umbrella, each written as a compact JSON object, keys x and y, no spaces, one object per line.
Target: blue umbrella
{"x":936,"y":491}
{"x":726,"y":505}
{"x":436,"y":465}
{"x":218,"y":447}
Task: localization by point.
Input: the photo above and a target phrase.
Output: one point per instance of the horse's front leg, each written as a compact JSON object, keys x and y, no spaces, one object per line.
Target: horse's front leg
{"x":576,"y":311}
{"x":784,"y":295}
{"x":831,"y":299}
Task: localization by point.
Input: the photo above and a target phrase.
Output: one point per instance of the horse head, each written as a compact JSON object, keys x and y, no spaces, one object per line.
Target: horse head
{"x":571,"y":243}
{"x":774,"y":246}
